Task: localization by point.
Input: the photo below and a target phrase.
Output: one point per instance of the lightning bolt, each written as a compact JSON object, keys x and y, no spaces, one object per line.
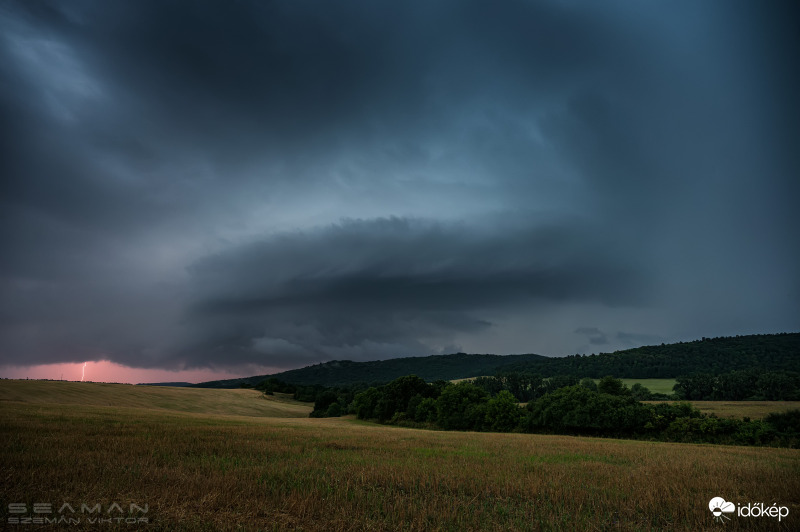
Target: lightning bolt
{"x":83,"y":372}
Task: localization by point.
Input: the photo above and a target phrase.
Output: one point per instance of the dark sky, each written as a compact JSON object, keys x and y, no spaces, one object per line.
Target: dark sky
{"x":234,"y":184}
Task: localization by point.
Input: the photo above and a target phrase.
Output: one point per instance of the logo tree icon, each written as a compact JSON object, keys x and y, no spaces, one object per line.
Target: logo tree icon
{"x":719,"y":507}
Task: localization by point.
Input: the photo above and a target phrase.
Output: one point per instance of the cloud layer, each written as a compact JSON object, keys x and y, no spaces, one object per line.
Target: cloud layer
{"x":197,"y":185}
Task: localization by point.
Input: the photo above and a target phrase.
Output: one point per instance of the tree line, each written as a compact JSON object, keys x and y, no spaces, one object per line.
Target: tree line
{"x":563,"y":405}
{"x":742,"y":385}
{"x":607,"y":408}
{"x":528,"y":386}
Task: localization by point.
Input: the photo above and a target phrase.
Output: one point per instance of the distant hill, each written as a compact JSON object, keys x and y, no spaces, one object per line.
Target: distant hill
{"x":344,"y":372}
{"x":177,"y":384}
{"x":770,"y":352}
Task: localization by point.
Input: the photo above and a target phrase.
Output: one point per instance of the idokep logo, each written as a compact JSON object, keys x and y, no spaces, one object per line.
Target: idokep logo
{"x":719,"y":507}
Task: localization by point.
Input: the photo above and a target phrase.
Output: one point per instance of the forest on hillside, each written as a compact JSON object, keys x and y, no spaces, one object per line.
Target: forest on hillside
{"x":713,"y":356}
{"x":768,"y":352}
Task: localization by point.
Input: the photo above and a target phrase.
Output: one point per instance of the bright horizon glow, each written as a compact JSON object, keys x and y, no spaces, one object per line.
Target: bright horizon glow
{"x":106,"y":371}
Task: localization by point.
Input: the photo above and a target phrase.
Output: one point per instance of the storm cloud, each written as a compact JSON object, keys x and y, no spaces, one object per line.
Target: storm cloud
{"x":191,"y":184}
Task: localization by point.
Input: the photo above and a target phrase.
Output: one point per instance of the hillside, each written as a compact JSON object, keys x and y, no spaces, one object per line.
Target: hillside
{"x":769,"y":352}
{"x":174,"y":384}
{"x":189,"y":400}
{"x":344,"y":372}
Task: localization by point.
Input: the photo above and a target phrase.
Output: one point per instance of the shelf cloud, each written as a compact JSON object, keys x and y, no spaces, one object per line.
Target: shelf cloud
{"x":200,"y":185}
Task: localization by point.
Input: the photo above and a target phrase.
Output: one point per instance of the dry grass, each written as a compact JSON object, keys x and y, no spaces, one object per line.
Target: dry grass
{"x":214,"y":472}
{"x":741,"y":409}
{"x":239,"y":402}
{"x":465,"y":379}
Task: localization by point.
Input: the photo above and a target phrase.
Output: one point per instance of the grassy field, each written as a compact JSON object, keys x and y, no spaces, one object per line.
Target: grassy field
{"x":192,"y":400}
{"x":207,"y":471}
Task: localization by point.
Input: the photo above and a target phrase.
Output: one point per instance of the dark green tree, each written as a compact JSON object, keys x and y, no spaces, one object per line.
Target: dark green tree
{"x":640,"y":393}
{"x":503,"y":413}
{"x":364,"y":404}
{"x":396,"y":395}
{"x":778,"y":386}
{"x":323,"y":402}
{"x":736,"y":385}
{"x":461,"y":407}
{"x":426,"y":411}
{"x":612,"y":386}
{"x":492,"y":385}
{"x":695,"y":387}
{"x":578,"y":409}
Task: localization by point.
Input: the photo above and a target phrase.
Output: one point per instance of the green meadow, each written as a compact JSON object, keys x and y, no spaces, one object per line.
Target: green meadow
{"x":654,"y":385}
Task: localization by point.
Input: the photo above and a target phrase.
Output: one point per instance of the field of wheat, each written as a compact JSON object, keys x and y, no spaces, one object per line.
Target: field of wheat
{"x":202,"y":470}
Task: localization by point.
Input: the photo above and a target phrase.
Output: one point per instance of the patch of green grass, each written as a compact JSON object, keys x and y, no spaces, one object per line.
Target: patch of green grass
{"x":654,"y":385}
